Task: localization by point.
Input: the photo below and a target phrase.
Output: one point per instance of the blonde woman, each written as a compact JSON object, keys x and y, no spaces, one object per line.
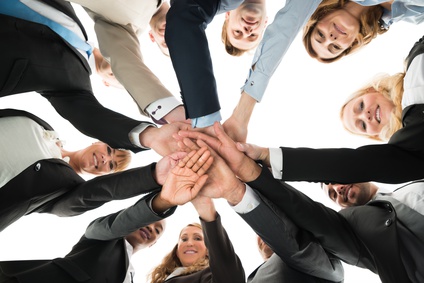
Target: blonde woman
{"x":203,"y":254}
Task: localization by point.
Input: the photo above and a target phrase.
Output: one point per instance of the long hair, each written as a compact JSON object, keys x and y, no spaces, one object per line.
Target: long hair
{"x":369,"y":27}
{"x":171,"y":261}
{"x":390,"y":87}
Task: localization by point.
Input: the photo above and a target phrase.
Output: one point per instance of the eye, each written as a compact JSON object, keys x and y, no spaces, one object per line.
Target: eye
{"x":361,"y":106}
{"x":157,"y":231}
{"x":111,"y":165}
{"x":109,"y":150}
{"x":320,"y":34}
{"x":237,"y":32}
{"x":336,"y":47}
{"x":363,"y":126}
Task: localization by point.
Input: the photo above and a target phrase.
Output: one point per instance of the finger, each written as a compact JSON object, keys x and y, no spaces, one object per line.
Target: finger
{"x":201,"y":161}
{"x":178,"y":155}
{"x":221,"y":134}
{"x":205,"y":167}
{"x":183,"y":162}
{"x":198,"y":185}
{"x":190,"y":144}
{"x":198,"y":135}
{"x":194,"y":158}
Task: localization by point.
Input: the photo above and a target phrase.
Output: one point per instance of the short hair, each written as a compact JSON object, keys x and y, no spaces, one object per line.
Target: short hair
{"x":391,"y":87}
{"x":231,"y":49}
{"x":370,"y":27}
{"x":171,"y":261}
{"x":122,"y":159}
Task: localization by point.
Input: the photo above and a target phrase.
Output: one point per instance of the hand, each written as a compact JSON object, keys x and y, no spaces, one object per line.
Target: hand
{"x":165,"y":165}
{"x":205,"y":208}
{"x":222,"y":183}
{"x":160,"y":139}
{"x":186,"y":179}
{"x":235,"y":130}
{"x":244,"y":167}
{"x":255,"y":152}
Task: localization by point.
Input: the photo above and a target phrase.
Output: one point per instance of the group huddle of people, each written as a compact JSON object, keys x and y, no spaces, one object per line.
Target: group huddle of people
{"x":45,"y":50}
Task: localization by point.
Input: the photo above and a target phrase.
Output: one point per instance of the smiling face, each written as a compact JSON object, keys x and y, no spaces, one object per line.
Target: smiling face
{"x":351,"y":194}
{"x":98,"y":159}
{"x":245,"y":25}
{"x":191,"y":246}
{"x":158,"y":25}
{"x":367,"y":114}
{"x":334,"y":33}
{"x":146,"y":236}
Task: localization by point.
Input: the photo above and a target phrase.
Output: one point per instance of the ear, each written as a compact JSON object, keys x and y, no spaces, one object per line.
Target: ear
{"x":227,"y":15}
{"x":152,"y":38}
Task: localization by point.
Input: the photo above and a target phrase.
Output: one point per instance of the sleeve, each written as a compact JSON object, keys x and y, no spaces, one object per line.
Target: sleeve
{"x":276,"y":41}
{"x":85,"y":113}
{"x":330,"y":228}
{"x":94,"y":193}
{"x":379,"y":163}
{"x":186,"y":22}
{"x":120,"y":45}
{"x":124,"y":222}
{"x":224,"y":263}
{"x":296,"y":247}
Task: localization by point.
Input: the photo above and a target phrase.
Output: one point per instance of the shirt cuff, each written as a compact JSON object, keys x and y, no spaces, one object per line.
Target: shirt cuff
{"x":160,"y":108}
{"x":249,"y":202}
{"x":150,"y":205}
{"x":256,"y":84}
{"x":206,"y":121}
{"x":134,"y":135}
{"x":276,"y":160}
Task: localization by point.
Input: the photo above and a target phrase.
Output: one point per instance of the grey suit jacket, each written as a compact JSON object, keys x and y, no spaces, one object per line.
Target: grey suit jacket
{"x":298,"y":257}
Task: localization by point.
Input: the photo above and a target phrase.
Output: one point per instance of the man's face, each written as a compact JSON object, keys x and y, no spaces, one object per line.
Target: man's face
{"x":245,"y":25}
{"x":146,"y":236}
{"x":351,"y":194}
{"x":98,"y":159}
{"x":158,"y":25}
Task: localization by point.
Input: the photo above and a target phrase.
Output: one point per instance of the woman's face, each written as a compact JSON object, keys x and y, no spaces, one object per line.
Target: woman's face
{"x":367,"y":114}
{"x":191,"y":246}
{"x":334,"y":33}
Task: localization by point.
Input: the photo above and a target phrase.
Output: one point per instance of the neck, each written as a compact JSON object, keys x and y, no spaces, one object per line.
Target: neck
{"x":73,"y":158}
{"x":355,"y":9}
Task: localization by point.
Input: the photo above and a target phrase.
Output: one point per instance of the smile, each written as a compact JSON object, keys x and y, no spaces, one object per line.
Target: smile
{"x":95,"y":160}
{"x":190,"y":252}
{"x":339,"y":29}
{"x":377,"y":114}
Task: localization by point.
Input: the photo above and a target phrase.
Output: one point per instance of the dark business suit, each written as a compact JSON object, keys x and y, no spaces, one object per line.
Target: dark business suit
{"x":188,"y":47}
{"x":99,"y":257}
{"x":34,"y":58}
{"x":52,"y":186}
{"x":400,"y":160}
{"x":354,"y":234}
{"x":298,"y":256}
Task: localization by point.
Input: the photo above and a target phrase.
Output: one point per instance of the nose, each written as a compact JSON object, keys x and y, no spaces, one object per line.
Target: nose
{"x":366,"y":115}
{"x":333,"y":36}
{"x":106,"y":158}
{"x":339,"y":189}
{"x":248,"y":29}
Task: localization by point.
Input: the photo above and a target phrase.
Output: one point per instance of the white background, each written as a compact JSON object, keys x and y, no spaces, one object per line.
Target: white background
{"x":299,"y":109}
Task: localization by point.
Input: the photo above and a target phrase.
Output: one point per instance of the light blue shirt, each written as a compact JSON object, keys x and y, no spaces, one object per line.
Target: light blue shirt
{"x":286,"y":25}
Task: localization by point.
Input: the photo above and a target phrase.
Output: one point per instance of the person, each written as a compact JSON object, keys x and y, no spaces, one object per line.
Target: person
{"x":36,"y":179}
{"x":104,"y":252}
{"x":297,"y":253}
{"x":243,"y":27}
{"x":353,"y":234}
{"x":204,"y":253}
{"x":96,"y":159}
{"x":38,"y":58}
{"x":118,"y":27}
{"x":189,"y":51}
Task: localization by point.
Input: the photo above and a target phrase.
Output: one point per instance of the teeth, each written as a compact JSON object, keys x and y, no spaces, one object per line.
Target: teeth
{"x":190,"y":252}
{"x":377,"y":114}
{"x":95,"y":160}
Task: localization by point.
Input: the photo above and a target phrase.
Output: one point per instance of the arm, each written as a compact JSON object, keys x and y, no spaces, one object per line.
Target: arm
{"x":296,"y":247}
{"x":223,"y":261}
{"x":120,"y":45}
{"x":188,"y":47}
{"x":329,"y":227}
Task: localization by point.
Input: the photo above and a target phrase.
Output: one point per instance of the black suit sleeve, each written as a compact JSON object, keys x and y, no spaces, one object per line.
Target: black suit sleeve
{"x":329,"y":227}
{"x":186,"y":22}
{"x":100,"y":190}
{"x":296,"y":247}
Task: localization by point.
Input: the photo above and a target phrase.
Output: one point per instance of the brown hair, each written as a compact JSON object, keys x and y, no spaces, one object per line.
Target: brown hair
{"x":390,"y":87}
{"x":171,"y":261}
{"x":231,"y":49}
{"x":370,"y":27}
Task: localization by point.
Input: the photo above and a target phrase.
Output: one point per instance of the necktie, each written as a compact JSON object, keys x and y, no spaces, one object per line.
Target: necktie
{"x":17,"y":9}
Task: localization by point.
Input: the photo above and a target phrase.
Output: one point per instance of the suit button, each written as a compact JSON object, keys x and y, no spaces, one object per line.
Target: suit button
{"x":37,"y":167}
{"x":388,"y":222}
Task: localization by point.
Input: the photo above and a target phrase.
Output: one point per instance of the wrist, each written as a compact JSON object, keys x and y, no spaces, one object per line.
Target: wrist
{"x":236,"y":195}
{"x":147,"y":136}
{"x":160,"y":205}
{"x":249,"y":171}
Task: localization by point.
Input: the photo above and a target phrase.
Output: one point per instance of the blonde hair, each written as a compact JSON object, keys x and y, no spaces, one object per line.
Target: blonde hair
{"x":391,"y":87}
{"x":231,"y":49}
{"x":370,"y":27}
{"x":122,"y":159}
{"x":171,"y":261}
